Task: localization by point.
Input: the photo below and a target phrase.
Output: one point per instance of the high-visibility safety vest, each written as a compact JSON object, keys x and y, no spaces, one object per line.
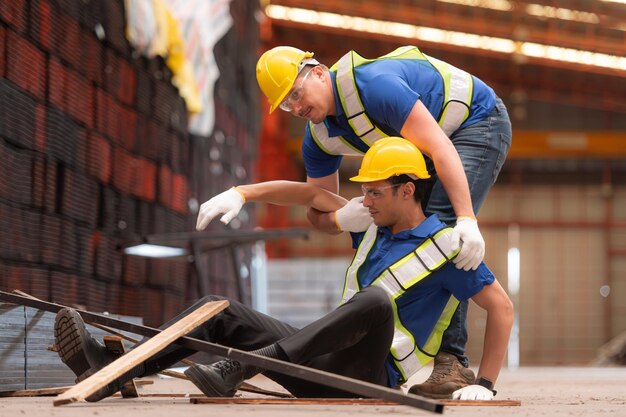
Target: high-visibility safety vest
{"x":433,"y":253}
{"x":458,"y":90}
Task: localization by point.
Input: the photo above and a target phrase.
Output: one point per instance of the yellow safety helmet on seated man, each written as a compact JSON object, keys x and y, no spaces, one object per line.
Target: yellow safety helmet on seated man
{"x":277,"y":70}
{"x":392,"y":156}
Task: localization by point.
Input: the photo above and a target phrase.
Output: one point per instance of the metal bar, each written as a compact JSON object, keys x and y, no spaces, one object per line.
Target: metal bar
{"x":202,"y":274}
{"x":364,"y":389}
{"x":242,"y":236}
{"x":241,"y":291}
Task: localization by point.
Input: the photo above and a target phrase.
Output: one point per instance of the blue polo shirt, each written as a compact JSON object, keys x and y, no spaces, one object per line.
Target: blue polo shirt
{"x":389,"y":89}
{"x":422,"y":305}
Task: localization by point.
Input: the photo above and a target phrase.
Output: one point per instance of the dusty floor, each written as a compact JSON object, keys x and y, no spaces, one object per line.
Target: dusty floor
{"x":543,"y":392}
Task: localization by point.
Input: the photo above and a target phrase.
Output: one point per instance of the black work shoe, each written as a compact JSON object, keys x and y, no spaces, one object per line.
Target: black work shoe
{"x":221,"y":379}
{"x":448,"y":376}
{"x":77,"y":348}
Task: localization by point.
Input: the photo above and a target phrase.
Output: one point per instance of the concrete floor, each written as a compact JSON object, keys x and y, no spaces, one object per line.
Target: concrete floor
{"x":568,"y":392}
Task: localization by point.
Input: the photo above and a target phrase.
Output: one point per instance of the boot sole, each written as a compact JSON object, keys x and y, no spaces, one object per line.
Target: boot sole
{"x":69,"y":332}
{"x":205,"y":384}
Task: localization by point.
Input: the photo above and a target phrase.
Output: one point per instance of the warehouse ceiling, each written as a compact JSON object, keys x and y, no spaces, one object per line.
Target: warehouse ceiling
{"x":567,"y":52}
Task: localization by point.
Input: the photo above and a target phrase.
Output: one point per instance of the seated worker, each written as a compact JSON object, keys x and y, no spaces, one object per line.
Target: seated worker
{"x":400,"y":293}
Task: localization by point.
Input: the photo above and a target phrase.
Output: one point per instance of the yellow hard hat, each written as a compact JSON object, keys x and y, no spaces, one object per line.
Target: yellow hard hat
{"x":391,"y":156}
{"x":277,"y":70}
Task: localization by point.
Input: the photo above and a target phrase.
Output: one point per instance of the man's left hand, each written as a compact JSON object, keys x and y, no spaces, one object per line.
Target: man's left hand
{"x":473,"y":247}
{"x":354,"y":216}
{"x":473,"y":392}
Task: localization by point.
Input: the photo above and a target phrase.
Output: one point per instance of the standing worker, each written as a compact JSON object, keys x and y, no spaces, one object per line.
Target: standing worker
{"x":452,"y":116}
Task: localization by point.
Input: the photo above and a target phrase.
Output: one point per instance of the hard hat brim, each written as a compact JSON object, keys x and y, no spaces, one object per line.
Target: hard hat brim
{"x":364,"y":178}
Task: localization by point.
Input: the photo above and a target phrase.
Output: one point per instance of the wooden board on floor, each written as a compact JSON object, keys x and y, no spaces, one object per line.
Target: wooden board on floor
{"x":342,"y":401}
{"x":46,"y":392}
{"x":41,"y":392}
{"x":141,"y":353}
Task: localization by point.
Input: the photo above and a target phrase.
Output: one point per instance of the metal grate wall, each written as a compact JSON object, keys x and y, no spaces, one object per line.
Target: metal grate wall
{"x":94,"y":152}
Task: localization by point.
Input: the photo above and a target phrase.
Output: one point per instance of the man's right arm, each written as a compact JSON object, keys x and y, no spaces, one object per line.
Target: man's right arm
{"x":289,"y":193}
{"x":499,"y":307}
{"x":323,"y":220}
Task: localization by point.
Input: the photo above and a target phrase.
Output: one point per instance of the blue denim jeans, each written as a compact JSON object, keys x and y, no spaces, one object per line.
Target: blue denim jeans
{"x":482,"y":147}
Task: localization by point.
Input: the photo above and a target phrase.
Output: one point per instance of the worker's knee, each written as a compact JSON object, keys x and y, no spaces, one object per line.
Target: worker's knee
{"x":210,"y":298}
{"x":378,"y":300}
{"x":206,"y":299}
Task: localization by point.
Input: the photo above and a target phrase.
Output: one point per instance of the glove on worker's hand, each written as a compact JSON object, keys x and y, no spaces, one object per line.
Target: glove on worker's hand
{"x":473,"y":392}
{"x":228,"y":203}
{"x":354,"y":216}
{"x":473,"y":246}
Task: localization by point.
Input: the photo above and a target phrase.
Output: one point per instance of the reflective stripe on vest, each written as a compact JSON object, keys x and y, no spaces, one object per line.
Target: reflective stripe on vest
{"x":458,"y":86}
{"x":337,"y":145}
{"x":429,"y":256}
{"x":360,"y":123}
{"x":458,"y":91}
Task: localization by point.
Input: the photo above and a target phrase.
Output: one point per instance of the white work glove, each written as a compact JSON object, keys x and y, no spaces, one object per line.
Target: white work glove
{"x":354,"y":216}
{"x":473,"y":392}
{"x":472,"y":246}
{"x":228,"y":203}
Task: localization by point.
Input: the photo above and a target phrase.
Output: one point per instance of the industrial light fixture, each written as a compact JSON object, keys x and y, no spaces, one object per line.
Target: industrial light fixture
{"x":539,"y":10}
{"x":467,"y":40}
{"x":154,"y":251}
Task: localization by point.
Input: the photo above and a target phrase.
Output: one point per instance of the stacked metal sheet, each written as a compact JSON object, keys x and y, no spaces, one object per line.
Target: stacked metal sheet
{"x":12,"y":337}
{"x":26,"y":361}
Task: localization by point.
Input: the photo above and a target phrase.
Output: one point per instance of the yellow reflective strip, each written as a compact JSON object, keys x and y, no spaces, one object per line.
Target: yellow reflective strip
{"x":458,"y":88}
{"x":444,"y":71}
{"x":434,"y":340}
{"x":335,"y":145}
{"x":399,"y":327}
{"x":340,"y":68}
{"x":389,"y":284}
{"x":373,"y":136}
{"x":345,"y":82}
{"x":407,"y":363}
{"x":312,"y":129}
{"x":351,"y":282}
{"x":361,"y":124}
{"x":349,"y":94}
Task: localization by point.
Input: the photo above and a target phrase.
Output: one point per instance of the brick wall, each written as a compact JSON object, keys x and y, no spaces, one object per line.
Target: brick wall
{"x":94,"y":151}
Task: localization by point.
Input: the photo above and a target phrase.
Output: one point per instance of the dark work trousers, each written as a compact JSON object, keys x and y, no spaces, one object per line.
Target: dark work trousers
{"x":352,"y":340}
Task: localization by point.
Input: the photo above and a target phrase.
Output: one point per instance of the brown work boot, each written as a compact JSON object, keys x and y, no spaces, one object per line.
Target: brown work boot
{"x":448,"y":376}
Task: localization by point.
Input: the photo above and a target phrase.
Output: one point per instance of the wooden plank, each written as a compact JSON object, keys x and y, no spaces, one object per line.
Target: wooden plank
{"x":257,"y":390}
{"x":45,"y":392}
{"x":140,"y":354}
{"x":41,"y":392}
{"x":478,"y":403}
{"x":341,"y":401}
{"x":360,"y":388}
